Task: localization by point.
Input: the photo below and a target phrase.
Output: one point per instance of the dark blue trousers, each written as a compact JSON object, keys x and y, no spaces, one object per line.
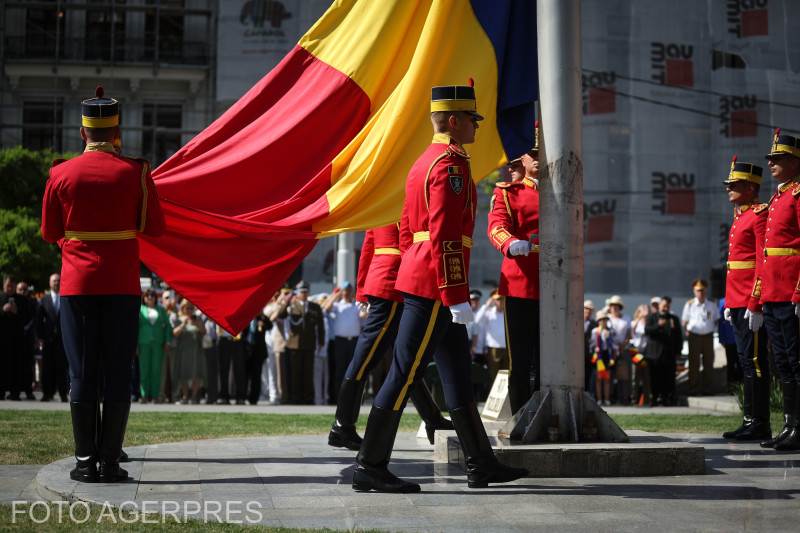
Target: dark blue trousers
{"x":782,"y":329}
{"x":427,"y":332}
{"x":100,"y":330}
{"x":751,"y":346}
{"x":377,"y":336}
{"x":522,"y":340}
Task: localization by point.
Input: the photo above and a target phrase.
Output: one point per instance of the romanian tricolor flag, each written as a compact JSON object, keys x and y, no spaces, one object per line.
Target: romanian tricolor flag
{"x":324,"y":142}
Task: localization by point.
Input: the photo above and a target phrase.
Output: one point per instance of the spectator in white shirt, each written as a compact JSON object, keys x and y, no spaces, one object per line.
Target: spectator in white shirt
{"x":700,"y":317}
{"x":347,"y":324}
{"x":492,"y":316}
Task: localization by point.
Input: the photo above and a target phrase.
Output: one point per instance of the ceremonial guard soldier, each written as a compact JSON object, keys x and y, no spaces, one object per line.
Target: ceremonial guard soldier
{"x":778,"y":283}
{"x":435,"y":238}
{"x":93,"y":207}
{"x":377,"y":273}
{"x":514,"y":230}
{"x":746,"y":243}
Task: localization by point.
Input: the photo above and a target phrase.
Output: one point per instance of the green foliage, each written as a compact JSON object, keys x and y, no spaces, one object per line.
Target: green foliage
{"x":23,"y":175}
{"x":23,"y":251}
{"x":486,"y":186}
{"x":32,"y":437}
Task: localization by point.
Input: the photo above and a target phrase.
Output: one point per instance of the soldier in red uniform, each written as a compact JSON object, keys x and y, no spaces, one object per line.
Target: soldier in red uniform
{"x":93,"y":207}
{"x":377,"y":273}
{"x":778,"y":283}
{"x":514,"y":230}
{"x":746,"y":242}
{"x":435,"y":238}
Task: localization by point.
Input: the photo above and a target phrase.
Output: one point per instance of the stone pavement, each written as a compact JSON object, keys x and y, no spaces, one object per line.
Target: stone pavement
{"x":300,"y":481}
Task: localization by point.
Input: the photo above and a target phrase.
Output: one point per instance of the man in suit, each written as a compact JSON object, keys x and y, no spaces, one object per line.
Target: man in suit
{"x":664,"y":344}
{"x":306,"y":336}
{"x":15,"y":313}
{"x":48,"y":334}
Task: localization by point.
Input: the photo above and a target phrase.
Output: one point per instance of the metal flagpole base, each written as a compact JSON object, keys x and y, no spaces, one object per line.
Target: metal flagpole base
{"x":538,"y":420}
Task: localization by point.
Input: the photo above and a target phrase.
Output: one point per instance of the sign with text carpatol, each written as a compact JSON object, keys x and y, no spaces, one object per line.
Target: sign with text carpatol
{"x":498,"y":406}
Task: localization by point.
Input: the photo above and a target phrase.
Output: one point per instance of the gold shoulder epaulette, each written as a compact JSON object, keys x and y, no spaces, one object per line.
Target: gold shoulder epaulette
{"x":759,"y":208}
{"x":452,"y":149}
{"x":506,"y":184}
{"x":58,"y":161}
{"x":796,"y":190}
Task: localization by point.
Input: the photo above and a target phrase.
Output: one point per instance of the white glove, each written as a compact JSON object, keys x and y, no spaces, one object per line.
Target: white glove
{"x":727,"y":315}
{"x":754,"y":319}
{"x":797,"y":309}
{"x":462,"y":313}
{"x":362,"y":307}
{"x":519,"y":247}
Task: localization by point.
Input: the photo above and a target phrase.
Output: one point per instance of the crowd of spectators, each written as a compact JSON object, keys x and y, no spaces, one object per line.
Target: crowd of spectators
{"x":297,"y":349}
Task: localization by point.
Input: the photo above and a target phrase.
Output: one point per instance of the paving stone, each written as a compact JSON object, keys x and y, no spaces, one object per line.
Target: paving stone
{"x":301,"y":482}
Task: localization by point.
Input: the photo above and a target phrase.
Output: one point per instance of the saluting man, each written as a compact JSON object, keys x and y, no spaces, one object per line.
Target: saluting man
{"x":93,"y":206}
{"x":746,"y":241}
{"x":514,"y":230}
{"x":435,"y":238}
{"x":377,"y":273}
{"x":778,"y":283}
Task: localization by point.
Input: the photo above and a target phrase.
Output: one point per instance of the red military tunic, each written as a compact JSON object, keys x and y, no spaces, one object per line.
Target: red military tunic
{"x":778,"y":269}
{"x":745,"y":245}
{"x":93,"y":205}
{"x":378,"y":265}
{"x":514,"y":214}
{"x":437,"y":224}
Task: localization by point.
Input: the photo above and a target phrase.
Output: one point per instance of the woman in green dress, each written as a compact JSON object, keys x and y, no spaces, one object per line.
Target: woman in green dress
{"x":190,"y":361}
{"x":155,"y":333}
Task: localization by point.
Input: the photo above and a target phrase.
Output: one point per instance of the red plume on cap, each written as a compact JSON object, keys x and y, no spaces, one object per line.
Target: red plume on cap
{"x":777,"y":131}
{"x":735,"y":158}
{"x":99,"y":91}
{"x":471,"y":82}
{"x":536,"y":125}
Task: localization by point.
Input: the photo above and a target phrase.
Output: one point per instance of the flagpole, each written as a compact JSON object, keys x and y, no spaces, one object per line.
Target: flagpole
{"x":561,"y":207}
{"x":345,"y":259}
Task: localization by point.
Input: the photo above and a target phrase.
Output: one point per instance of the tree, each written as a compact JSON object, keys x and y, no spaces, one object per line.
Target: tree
{"x":23,"y":251}
{"x":23,"y":175}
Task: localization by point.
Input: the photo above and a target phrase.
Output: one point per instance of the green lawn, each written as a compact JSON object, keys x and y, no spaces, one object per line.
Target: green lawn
{"x":41,"y":437}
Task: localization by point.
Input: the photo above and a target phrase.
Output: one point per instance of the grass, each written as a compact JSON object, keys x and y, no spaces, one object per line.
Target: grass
{"x":41,"y":437}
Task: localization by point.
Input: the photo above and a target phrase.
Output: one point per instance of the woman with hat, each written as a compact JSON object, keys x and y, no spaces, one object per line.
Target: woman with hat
{"x":604,"y":354}
{"x":620,"y":325}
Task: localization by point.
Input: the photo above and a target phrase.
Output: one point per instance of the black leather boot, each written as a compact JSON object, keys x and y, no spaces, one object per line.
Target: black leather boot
{"x":343,"y":432}
{"x":747,"y":409}
{"x":372,"y":460}
{"x":482,"y":466}
{"x":115,"y":421}
{"x":759,"y":429}
{"x":792,"y":440}
{"x":428,"y":410}
{"x":789,"y":400}
{"x":84,"y":426}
